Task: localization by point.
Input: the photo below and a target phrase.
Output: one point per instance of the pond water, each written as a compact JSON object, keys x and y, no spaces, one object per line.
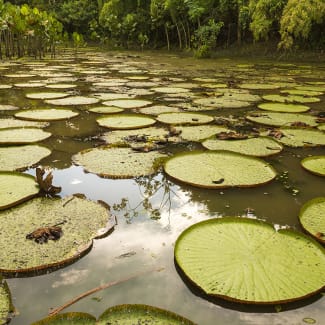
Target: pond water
{"x":142,"y":241}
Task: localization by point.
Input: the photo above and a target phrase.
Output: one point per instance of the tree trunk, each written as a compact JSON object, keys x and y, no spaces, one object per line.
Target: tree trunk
{"x":179,"y":36}
{"x":167,"y":37}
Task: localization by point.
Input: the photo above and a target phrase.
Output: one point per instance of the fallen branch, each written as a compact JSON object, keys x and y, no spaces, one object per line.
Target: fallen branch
{"x":99,"y":288}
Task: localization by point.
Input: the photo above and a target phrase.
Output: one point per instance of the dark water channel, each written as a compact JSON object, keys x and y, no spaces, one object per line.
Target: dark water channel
{"x":140,"y":242}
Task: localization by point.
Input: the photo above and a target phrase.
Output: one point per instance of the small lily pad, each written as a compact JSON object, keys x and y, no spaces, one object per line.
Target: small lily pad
{"x":46,"y":95}
{"x":282,"y":107}
{"x":128,"y":103}
{"x":141,"y":314}
{"x":314,"y":164}
{"x":219,"y":169}
{"x":312,"y":218}
{"x":81,"y":221}
{"x":248,"y":261}
{"x":300,"y":137}
{"x":73,"y":100}
{"x":184,"y":118}
{"x":291,"y":99}
{"x":281,"y":119}
{"x":46,"y":114}
{"x":5,"y":302}
{"x":259,"y":147}
{"x":22,"y":135}
{"x":21,"y":157}
{"x":125,"y":121}
{"x":16,"y":188}
{"x":117,"y":162}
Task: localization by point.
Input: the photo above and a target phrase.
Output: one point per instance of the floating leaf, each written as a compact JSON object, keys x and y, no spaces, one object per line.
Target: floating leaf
{"x":159,"y":109}
{"x":46,"y":114}
{"x":259,"y":147}
{"x":30,"y":85}
{"x":258,"y":86}
{"x":46,"y":95}
{"x":111,"y":96}
{"x":117,"y":162}
{"x":73,"y":100}
{"x":5,"y":302}
{"x":128,"y":103}
{"x":300,"y":137}
{"x":315,"y":164}
{"x":198,"y":132}
{"x":72,"y":318}
{"x":281,"y":119}
{"x":81,"y":219}
{"x":141,"y":314}
{"x":22,"y":135}
{"x":281,"y":107}
{"x":312,"y":218}
{"x":61,"y":86}
{"x":248,"y":261}
{"x":8,"y":107}
{"x":302,"y":92}
{"x":16,"y":188}
{"x":184,"y":118}
{"x":125,"y":121}
{"x":106,"y":110}
{"x":218,"y":169}
{"x":171,"y":90}
{"x":291,"y":99}
{"x":21,"y":157}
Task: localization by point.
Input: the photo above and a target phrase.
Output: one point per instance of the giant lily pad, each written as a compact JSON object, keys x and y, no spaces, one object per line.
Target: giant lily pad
{"x":218,"y":169}
{"x":15,"y":188}
{"x":281,"y":119}
{"x":315,"y":164}
{"x":184,"y":118}
{"x":247,"y":260}
{"x":106,"y":110}
{"x":22,"y":135}
{"x":81,"y":221}
{"x":199,"y":132}
{"x":171,"y":90}
{"x":46,"y":114}
{"x":117,"y":162}
{"x":7,"y":123}
{"x":159,"y":109}
{"x":312,"y":218}
{"x":5,"y":302}
{"x":125,"y":121}
{"x":300,"y":137}
{"x":128,"y":103}
{"x":259,"y":86}
{"x":46,"y":95}
{"x":73,"y":100}
{"x":119,"y":315}
{"x":283,"y":107}
{"x":259,"y":147}
{"x":301,"y":92}
{"x":8,"y":107}
{"x":291,"y":99}
{"x":21,"y":157}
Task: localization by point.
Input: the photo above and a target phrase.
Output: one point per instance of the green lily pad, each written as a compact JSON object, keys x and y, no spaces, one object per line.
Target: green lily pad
{"x":199,"y":132}
{"x":119,"y":315}
{"x":300,"y":137}
{"x":184,"y":118}
{"x":111,"y":96}
{"x":22,"y":135}
{"x":128,"y":103}
{"x":7,"y":123}
{"x":106,"y":110}
{"x":321,"y":127}
{"x":282,"y":107}
{"x":219,"y":169}
{"x":123,"y":136}
{"x":140,"y":314}
{"x":258,"y":86}
{"x":30,"y":85}
{"x":170,"y":90}
{"x":8,"y":107}
{"x":281,"y":119}
{"x":46,"y":95}
{"x":46,"y":114}
{"x":314,"y":164}
{"x":16,"y":188}
{"x":301,"y":92}
{"x":72,"y":318}
{"x":5,"y":302}
{"x":125,"y":121}
{"x":291,"y":99}
{"x":312,"y":218}
{"x":320,"y":88}
{"x":5,"y":87}
{"x":117,"y":162}
{"x":61,"y":86}
{"x":259,"y":147}
{"x":72,"y":101}
{"x":159,"y":109}
{"x":21,"y":157}
{"x":248,"y":261}
{"x":81,"y":221}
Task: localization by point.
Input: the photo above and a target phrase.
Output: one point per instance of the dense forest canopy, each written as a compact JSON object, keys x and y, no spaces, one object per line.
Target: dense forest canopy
{"x":201,"y":25}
